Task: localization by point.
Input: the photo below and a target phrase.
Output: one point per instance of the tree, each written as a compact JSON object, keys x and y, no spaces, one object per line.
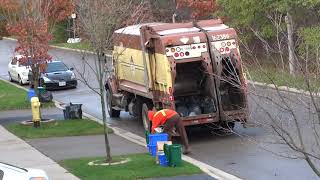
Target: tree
{"x":282,"y":29}
{"x":98,"y":20}
{"x":190,"y":9}
{"x":31,"y":22}
{"x":260,"y":16}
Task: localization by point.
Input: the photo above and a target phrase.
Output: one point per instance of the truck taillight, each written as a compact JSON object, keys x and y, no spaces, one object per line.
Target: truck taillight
{"x":186,"y":51}
{"x":225,"y":47}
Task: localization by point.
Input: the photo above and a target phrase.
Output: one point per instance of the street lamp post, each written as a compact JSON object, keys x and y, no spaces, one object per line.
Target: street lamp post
{"x":74,"y":16}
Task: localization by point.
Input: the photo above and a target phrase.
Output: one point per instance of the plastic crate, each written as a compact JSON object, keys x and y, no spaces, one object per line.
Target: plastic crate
{"x":163,"y":159}
{"x":73,"y":111}
{"x":154,"y":138}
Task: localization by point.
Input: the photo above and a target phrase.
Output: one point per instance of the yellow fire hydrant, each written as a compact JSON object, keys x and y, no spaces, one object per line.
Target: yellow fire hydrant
{"x":35,"y":108}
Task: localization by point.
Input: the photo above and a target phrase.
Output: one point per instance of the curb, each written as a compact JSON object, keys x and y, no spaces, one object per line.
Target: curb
{"x":211,"y":171}
{"x":64,"y":48}
{"x":283,"y":88}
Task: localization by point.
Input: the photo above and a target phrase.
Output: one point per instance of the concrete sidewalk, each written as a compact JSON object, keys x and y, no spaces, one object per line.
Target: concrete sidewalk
{"x":72,"y":147}
{"x":17,"y":152}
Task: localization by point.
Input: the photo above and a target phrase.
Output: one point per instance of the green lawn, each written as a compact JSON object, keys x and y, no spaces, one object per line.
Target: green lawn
{"x":58,"y":128}
{"x":12,"y":97}
{"x":272,"y":75}
{"x":141,"y":166}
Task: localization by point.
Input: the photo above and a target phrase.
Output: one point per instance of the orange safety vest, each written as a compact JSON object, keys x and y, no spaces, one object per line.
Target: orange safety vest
{"x":161,"y":117}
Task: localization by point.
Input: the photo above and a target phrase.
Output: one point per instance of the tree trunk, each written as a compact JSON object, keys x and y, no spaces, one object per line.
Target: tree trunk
{"x":35,"y":78}
{"x":103,"y":106}
{"x":292,"y":62}
{"x":318,"y":61}
{"x":307,"y":60}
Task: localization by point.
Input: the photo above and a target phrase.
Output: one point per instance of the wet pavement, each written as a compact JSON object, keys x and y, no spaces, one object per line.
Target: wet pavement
{"x":242,"y":155}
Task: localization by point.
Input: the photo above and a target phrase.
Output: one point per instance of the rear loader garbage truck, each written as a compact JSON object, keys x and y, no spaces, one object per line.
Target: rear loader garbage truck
{"x":193,"y":68}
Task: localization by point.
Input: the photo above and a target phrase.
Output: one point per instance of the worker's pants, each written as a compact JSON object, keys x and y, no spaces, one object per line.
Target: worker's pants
{"x":176,"y":122}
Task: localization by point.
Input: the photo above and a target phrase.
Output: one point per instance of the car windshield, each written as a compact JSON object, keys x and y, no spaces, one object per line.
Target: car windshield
{"x":56,"y":66}
{"x":6,"y":164}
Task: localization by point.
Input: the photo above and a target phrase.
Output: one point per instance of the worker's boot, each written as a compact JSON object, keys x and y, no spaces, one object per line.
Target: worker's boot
{"x":186,"y":150}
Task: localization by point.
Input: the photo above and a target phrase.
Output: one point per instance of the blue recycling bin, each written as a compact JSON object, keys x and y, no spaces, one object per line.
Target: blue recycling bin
{"x":153,"y":150}
{"x":31,"y":93}
{"x":154,"y":138}
{"x":163,"y":159}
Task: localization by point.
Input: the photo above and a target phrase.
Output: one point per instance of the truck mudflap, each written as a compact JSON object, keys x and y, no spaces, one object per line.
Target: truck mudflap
{"x":238,"y":115}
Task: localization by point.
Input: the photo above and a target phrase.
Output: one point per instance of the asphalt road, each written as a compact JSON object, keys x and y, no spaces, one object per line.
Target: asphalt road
{"x":241,"y":154}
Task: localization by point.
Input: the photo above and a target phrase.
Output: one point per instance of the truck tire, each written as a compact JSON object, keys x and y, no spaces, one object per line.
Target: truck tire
{"x":228,"y":125}
{"x":145,"y":119}
{"x":112,"y":112}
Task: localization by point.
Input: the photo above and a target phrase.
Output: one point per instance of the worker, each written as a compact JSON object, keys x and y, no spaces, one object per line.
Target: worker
{"x":169,"y":119}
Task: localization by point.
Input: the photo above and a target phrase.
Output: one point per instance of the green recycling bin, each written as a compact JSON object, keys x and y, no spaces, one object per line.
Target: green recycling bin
{"x":146,"y":133}
{"x":173,"y":154}
{"x":166,"y":149}
{"x":41,"y":90}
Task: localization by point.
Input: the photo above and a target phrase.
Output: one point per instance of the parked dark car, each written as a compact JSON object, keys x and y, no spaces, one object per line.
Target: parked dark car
{"x":57,"y":76}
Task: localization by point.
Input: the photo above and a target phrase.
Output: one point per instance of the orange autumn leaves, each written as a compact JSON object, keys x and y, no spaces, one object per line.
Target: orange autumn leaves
{"x":30,"y":21}
{"x":198,"y":8}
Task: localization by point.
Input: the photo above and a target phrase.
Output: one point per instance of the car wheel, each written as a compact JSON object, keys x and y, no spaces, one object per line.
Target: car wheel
{"x":20,"y":80}
{"x":112,"y":112}
{"x":10,"y":78}
{"x":145,"y":119}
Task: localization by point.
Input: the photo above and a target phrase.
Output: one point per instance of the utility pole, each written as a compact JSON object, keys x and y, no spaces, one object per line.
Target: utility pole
{"x":290,"y":43}
{"x":175,"y":12}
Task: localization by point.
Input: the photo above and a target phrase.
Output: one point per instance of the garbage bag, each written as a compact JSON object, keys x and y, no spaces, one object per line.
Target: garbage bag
{"x":183,"y":110}
{"x":194,"y":110}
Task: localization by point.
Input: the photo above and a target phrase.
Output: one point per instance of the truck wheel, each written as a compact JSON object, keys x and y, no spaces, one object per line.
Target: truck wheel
{"x":112,"y":112}
{"x":228,"y":125}
{"x":145,"y":119}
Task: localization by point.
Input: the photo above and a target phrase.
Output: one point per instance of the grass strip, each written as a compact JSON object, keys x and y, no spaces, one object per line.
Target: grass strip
{"x":12,"y":98}
{"x":59,"y":128}
{"x":140,"y":166}
{"x":278,"y":77}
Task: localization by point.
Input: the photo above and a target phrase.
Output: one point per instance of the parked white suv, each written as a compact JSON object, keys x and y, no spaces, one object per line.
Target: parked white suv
{"x":18,"y":71}
{"x":11,"y":172}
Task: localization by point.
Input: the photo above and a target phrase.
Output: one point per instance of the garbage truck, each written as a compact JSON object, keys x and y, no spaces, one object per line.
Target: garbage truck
{"x":193,"y":68}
